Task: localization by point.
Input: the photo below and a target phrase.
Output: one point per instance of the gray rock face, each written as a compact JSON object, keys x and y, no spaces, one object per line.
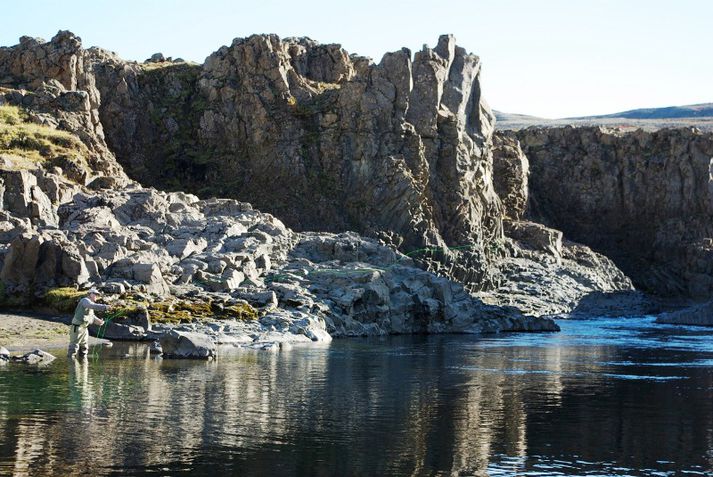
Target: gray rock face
{"x":642,"y":198}
{"x":24,"y":198}
{"x":511,"y":171}
{"x":400,"y":151}
{"x":54,"y":80}
{"x":697,"y":315}
{"x":323,"y":140}
{"x":185,"y":344}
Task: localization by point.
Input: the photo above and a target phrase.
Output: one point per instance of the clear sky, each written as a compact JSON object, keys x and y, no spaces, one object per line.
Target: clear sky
{"x":551,"y":58}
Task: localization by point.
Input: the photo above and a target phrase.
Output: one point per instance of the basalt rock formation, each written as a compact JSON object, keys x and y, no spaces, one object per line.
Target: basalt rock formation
{"x":179,"y":256}
{"x":400,"y":151}
{"x":644,"y":199}
{"x":54,"y":86}
{"x":322,"y":139}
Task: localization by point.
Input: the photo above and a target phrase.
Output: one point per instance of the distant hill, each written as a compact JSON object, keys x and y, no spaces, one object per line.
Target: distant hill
{"x":703,"y":110}
{"x":693,"y":115}
{"x":500,"y":116}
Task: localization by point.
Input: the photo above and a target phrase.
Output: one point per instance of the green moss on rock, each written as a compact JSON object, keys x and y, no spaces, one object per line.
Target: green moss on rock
{"x":63,"y":300}
{"x":181,"y":311}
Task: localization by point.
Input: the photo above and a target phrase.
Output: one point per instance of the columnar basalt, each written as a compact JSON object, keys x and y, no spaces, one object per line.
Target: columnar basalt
{"x":324,"y":140}
{"x":400,"y":151}
{"x":644,"y":199}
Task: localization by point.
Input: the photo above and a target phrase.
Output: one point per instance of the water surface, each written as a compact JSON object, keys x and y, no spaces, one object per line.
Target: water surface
{"x":603,"y":397}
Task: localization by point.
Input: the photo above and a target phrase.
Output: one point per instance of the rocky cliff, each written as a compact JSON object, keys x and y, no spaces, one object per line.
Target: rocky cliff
{"x":645,"y":199}
{"x":320,"y":138}
{"x":172,"y":257}
{"x":55,"y":88}
{"x":401,"y":151}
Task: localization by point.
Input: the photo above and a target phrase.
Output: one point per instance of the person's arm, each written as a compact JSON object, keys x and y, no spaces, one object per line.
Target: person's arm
{"x":98,"y":321}
{"x":94,"y":306}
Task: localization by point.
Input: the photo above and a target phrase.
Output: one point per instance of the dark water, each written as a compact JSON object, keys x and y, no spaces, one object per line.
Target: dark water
{"x":604,"y":397}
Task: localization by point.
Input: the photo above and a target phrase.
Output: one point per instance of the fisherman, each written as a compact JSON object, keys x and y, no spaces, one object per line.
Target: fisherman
{"x":83,"y":317}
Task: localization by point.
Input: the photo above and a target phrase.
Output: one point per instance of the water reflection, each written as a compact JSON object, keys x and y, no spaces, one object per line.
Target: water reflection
{"x":402,"y":406}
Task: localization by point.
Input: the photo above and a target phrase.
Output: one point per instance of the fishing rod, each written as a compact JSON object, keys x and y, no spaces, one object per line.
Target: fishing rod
{"x":108,"y":318}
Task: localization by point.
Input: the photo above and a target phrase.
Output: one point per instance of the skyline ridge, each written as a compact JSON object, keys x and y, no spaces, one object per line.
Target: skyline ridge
{"x":546,"y":58}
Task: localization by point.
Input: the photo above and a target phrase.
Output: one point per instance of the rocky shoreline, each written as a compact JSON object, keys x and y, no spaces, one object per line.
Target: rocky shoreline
{"x":172,"y":256}
{"x":426,"y":220}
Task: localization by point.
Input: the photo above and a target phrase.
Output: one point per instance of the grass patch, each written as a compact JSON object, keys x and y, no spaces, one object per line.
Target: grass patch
{"x":64,"y":299}
{"x":11,"y":115}
{"x":157,"y":65}
{"x":35,"y":142}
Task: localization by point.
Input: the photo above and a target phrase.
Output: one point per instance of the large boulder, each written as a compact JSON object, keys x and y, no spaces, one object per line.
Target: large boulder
{"x":23,"y":197}
{"x":142,"y":272}
{"x":119,"y":331}
{"x":535,"y":236}
{"x":185,"y":247}
{"x":697,"y":315}
{"x":17,"y":193}
{"x":187,"y":344}
{"x":35,"y":357}
{"x":43,"y":261}
{"x":312,"y":328}
{"x":21,"y":261}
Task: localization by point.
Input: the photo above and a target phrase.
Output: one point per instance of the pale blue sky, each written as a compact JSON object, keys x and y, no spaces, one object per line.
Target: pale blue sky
{"x":550,"y":58}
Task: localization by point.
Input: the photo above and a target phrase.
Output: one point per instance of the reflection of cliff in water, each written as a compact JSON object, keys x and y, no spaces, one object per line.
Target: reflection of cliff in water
{"x":410,"y":405}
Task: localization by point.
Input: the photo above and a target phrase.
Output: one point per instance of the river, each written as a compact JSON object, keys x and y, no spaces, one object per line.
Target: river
{"x":603,"y":397}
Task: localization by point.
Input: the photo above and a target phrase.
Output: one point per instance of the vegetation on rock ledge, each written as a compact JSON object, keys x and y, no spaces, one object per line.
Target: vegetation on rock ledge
{"x":173,"y":311}
{"x":63,"y":299}
{"x":178,"y":311}
{"x":35,"y":142}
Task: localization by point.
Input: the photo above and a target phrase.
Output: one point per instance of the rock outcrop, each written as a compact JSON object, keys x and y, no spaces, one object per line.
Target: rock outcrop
{"x":644,"y":199}
{"x":184,"y":344}
{"x":36,"y":357}
{"x":696,"y":315}
{"x":232,"y":256}
{"x":322,"y":139}
{"x":54,"y":83}
{"x":400,"y":151}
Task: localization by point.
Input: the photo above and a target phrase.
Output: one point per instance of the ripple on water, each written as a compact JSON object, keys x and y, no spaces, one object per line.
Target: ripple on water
{"x":540,"y":465}
{"x":603,"y":397}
